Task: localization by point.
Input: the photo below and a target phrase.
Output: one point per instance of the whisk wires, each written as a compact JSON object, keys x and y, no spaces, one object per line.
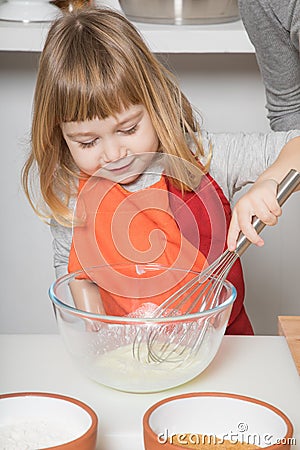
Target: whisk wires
{"x":176,"y":342}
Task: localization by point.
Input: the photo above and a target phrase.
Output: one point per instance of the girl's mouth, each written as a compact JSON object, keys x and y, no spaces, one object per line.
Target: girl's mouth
{"x":119,"y":166}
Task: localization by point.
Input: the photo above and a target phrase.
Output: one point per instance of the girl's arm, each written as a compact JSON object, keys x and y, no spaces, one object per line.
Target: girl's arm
{"x":260,"y":200}
{"x":86,"y":296}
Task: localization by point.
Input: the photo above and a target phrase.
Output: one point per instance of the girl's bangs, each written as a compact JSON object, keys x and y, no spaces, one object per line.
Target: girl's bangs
{"x":86,"y":101}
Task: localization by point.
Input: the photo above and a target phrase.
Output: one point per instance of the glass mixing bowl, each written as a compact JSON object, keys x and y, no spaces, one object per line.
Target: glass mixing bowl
{"x":134,"y":351}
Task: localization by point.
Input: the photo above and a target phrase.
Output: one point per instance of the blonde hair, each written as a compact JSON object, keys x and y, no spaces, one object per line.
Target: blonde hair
{"x":94,"y":63}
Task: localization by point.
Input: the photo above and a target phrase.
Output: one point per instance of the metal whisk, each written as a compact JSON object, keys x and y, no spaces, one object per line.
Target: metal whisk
{"x":205,"y":288}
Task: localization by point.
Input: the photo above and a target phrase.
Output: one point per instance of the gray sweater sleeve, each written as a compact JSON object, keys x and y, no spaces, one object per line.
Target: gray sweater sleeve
{"x":238,"y":159}
{"x":273,"y":27}
{"x":61,"y":244}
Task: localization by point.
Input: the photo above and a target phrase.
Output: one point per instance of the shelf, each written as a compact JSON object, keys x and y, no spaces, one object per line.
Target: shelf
{"x":222,"y":38}
{"x":22,"y":37}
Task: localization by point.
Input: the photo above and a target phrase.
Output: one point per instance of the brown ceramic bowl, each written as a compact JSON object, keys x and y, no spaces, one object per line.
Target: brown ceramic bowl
{"x":46,"y":421}
{"x":206,"y":419}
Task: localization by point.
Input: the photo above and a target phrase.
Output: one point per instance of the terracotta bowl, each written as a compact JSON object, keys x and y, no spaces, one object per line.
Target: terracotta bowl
{"x":46,"y":421}
{"x":207,"y":419}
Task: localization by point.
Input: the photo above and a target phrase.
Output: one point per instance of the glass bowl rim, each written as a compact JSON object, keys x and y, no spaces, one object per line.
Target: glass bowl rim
{"x":135,"y":320}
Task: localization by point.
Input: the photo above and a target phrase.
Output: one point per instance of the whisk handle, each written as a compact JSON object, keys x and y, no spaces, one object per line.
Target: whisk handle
{"x":285,"y":188}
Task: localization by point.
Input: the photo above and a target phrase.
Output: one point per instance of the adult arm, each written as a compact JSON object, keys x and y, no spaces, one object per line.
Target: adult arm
{"x":240,"y":159}
{"x":273,"y":28}
{"x":260,"y":200}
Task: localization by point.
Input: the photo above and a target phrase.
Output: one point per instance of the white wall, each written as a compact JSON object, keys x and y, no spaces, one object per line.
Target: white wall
{"x":227,"y":89}
{"x":26,"y":268}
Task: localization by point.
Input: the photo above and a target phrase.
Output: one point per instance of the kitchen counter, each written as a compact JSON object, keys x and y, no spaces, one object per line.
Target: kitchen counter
{"x":256,"y":366}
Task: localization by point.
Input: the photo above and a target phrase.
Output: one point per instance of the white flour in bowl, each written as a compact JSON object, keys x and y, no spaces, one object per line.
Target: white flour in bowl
{"x":34,"y":434}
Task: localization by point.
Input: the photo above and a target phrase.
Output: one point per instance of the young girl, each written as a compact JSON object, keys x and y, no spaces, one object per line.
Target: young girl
{"x":124,"y":170}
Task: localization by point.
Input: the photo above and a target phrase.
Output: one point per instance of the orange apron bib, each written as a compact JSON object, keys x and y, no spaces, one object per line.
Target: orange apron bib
{"x":130,"y":228}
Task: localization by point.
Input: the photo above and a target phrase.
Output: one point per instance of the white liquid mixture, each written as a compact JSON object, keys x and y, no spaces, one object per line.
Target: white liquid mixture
{"x":120,"y":369}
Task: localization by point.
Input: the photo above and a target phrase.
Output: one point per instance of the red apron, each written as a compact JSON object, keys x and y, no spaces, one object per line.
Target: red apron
{"x":206,"y":206}
{"x":115,"y":215}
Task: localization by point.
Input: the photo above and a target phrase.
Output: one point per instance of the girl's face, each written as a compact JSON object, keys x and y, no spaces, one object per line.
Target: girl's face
{"x":118,"y":148}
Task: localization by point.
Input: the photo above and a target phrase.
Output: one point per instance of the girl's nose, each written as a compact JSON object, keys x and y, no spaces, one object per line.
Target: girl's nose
{"x":112,"y":151}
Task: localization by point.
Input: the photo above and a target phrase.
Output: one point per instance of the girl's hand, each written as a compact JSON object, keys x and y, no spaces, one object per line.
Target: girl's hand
{"x":87,"y":298}
{"x":259,"y":201}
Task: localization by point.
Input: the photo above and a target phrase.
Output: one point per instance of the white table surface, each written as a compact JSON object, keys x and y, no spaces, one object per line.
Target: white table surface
{"x":256,"y":366}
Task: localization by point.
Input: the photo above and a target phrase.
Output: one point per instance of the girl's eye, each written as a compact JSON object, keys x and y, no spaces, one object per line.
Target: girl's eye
{"x":88,"y":144}
{"x":131,"y":130}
